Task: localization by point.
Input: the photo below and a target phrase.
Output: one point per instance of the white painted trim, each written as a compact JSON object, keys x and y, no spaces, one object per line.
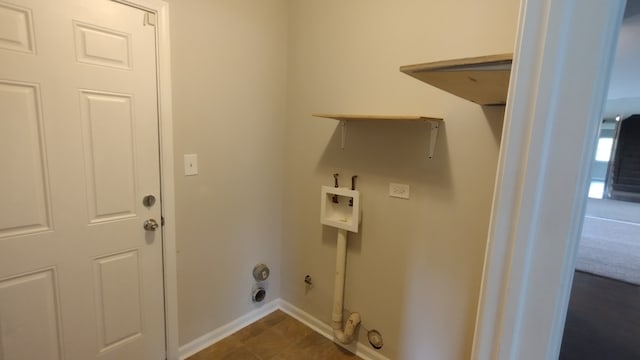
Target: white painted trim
{"x":563,"y":57}
{"x":361,"y":350}
{"x":165,"y":115}
{"x":222,"y":332}
{"x":165,"y":112}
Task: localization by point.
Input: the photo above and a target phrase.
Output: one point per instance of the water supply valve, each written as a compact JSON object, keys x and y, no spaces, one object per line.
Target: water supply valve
{"x":260,"y":272}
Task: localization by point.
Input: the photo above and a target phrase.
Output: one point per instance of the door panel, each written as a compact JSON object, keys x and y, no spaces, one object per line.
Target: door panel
{"x":108,"y":139}
{"x":25,"y":205}
{"x":118,"y":292}
{"x":16,"y":28}
{"x":101,"y":46}
{"x":78,"y":151}
{"x":29,"y":321}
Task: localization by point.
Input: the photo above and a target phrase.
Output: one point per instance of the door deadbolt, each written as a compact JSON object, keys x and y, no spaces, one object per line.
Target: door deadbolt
{"x":150,"y":225}
{"x":149,"y":200}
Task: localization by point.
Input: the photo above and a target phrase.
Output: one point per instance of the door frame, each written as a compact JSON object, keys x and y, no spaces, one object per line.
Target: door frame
{"x":563,"y":57}
{"x":165,"y":118}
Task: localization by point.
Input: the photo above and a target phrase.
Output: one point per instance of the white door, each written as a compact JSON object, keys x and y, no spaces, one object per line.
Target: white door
{"x":80,"y":278}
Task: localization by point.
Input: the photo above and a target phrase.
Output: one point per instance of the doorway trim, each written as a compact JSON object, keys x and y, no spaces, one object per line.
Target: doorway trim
{"x":563,"y":57}
{"x":165,"y":118}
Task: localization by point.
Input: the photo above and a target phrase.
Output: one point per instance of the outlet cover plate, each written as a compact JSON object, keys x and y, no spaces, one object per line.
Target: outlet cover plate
{"x":399,"y":190}
{"x":190,"y":164}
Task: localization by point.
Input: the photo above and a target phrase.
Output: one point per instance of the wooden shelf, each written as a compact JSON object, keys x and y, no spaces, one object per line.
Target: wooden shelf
{"x":349,"y":117}
{"x":344,"y":118}
{"x":483,"y":80}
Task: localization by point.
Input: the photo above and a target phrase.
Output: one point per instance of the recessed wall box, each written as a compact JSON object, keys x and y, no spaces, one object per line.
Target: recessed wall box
{"x":340,"y":215}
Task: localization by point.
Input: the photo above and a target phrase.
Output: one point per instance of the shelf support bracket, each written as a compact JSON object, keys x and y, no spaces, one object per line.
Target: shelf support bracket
{"x":343,"y":137}
{"x":435,"y":125}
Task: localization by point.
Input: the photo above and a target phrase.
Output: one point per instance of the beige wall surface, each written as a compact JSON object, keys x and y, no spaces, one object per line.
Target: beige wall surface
{"x":247,"y":75}
{"x":229,"y":92}
{"x":414,"y":270}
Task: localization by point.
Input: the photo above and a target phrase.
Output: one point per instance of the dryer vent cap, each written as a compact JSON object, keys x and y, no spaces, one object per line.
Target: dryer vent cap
{"x":258,"y":295}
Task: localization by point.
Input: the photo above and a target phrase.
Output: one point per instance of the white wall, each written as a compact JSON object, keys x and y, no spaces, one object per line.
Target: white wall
{"x":623,"y":97}
{"x":414,"y":270}
{"x":247,"y":74}
{"x":229,"y":78}
{"x":625,"y":75}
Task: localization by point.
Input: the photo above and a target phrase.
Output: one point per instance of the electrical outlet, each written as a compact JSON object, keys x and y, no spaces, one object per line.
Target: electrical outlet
{"x":399,"y":190}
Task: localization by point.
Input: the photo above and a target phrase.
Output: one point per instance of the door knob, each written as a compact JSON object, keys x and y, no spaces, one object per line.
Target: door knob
{"x":150,"y":225}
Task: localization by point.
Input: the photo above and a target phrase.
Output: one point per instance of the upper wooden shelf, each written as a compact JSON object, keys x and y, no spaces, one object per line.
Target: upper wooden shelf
{"x":344,"y":118}
{"x":483,"y":80}
{"x":347,"y":117}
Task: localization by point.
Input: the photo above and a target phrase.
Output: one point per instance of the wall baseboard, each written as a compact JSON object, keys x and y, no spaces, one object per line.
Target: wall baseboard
{"x":201,"y":343}
{"x":222,"y":332}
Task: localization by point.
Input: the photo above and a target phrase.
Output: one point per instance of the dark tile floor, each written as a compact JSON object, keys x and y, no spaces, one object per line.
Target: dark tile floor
{"x":603,"y":320}
{"x":277,"y":336}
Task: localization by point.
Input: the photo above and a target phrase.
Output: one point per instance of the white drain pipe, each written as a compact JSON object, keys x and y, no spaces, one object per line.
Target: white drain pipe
{"x":344,"y":336}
